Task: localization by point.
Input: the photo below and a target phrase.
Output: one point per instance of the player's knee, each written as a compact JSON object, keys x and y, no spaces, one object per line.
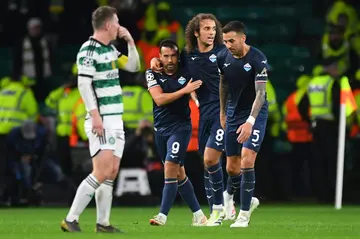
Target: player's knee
{"x":232,"y":169}
{"x":181,"y":174}
{"x":114,"y":174}
{"x":233,"y":165}
{"x":248,"y":158}
{"x":171,"y":169}
{"x":211,"y":157}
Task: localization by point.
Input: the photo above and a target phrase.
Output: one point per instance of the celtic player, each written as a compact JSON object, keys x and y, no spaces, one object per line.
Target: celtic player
{"x":98,"y":62}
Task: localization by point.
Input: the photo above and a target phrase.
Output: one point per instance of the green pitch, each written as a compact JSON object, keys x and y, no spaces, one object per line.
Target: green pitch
{"x":288,"y":222}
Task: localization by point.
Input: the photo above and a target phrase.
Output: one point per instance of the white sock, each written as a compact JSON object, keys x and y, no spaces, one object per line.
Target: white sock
{"x":103,"y":198}
{"x":217,"y":207}
{"x":198,"y":213}
{"x":84,"y":194}
{"x":244,"y":214}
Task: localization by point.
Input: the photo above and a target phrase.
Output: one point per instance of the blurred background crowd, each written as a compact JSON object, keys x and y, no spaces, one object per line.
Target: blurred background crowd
{"x":313,"y":48}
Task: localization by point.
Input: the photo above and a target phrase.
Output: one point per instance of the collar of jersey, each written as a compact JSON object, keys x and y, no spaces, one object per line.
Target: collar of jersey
{"x":92,"y":38}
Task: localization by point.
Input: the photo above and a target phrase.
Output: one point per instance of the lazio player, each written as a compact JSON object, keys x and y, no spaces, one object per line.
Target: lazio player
{"x":170,"y":92}
{"x":243,"y":112}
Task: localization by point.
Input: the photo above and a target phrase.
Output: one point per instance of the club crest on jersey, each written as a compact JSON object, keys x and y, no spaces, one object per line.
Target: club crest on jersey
{"x":212,"y":58}
{"x":247,"y":67}
{"x":181,"y":80}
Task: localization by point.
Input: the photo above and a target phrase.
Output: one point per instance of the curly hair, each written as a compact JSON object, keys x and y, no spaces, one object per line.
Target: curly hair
{"x":194,"y":26}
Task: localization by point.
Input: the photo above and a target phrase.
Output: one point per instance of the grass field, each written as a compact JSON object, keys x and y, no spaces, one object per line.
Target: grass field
{"x":267,"y":222}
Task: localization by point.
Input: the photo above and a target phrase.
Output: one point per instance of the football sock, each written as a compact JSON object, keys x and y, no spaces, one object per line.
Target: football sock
{"x":103,"y":198}
{"x":186,"y":191}
{"x":169,"y":194}
{"x":216,"y":182}
{"x":84,"y":194}
{"x":208,"y":190}
{"x":233,"y":183}
{"x":247,"y":187}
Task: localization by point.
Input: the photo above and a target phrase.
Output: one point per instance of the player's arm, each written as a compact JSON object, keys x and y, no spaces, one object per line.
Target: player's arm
{"x":223,"y":94}
{"x":194,"y":97}
{"x":131,"y":62}
{"x":260,"y":89}
{"x":259,"y":101}
{"x":160,"y":98}
{"x":86,"y":71}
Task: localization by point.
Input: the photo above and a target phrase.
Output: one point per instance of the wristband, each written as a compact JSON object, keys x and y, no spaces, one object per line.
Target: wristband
{"x":251,"y":120}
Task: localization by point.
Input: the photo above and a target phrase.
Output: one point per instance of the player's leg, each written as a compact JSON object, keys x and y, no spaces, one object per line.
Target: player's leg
{"x":87,"y":188}
{"x":169,"y":151}
{"x":229,"y":203}
{"x":213,"y":151}
{"x":233,"y":162}
{"x":186,"y":191}
{"x":185,"y":187}
{"x":104,"y":194}
{"x":204,"y":133}
{"x":248,"y":156}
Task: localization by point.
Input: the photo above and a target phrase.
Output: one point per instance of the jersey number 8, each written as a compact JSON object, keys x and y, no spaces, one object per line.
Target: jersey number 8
{"x":219,"y":135}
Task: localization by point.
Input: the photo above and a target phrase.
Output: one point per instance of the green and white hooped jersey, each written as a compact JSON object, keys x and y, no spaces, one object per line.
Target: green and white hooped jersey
{"x":100,"y":63}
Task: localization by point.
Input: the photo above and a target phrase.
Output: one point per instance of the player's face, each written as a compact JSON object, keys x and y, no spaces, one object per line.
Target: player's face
{"x":207,"y":32}
{"x":234,"y":42}
{"x":169,"y":57}
{"x":112,"y":26}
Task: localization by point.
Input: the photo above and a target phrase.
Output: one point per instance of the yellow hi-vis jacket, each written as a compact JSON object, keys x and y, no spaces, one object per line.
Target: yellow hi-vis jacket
{"x":17,"y":104}
{"x":63,"y":100}
{"x":320,"y":97}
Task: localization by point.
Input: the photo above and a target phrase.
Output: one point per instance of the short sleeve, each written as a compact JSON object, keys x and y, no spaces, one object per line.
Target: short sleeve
{"x":86,"y":63}
{"x":150,"y":79}
{"x":261,"y":67}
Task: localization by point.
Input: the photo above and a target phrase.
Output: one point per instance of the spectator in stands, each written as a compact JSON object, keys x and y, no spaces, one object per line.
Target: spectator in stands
{"x":62,"y":100}
{"x":17,"y":104}
{"x":25,"y":150}
{"x":299,"y":135}
{"x":323,"y":98}
{"x":335,"y":49}
{"x":32,"y":58}
{"x":138,"y":105}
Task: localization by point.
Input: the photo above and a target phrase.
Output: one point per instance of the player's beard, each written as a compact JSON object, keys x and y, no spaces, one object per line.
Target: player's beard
{"x":170,"y":68}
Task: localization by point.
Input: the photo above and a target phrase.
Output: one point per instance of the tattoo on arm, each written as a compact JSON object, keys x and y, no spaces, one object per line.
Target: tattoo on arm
{"x":260,"y":89}
{"x":223,"y":93}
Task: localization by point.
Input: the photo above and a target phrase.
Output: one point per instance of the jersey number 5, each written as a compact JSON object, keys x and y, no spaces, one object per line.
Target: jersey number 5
{"x":256,"y":132}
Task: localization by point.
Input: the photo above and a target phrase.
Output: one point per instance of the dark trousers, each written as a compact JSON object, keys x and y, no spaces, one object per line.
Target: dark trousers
{"x":325,"y":137}
{"x":302,"y":169}
{"x":3,"y":164}
{"x":64,"y":155}
{"x":273,"y":172}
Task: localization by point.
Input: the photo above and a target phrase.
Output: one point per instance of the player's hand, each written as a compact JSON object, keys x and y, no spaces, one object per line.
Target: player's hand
{"x":191,"y":86}
{"x":156,"y":65}
{"x":223,"y":120}
{"x":123,"y":33}
{"x":244,"y":132}
{"x":97,"y":124}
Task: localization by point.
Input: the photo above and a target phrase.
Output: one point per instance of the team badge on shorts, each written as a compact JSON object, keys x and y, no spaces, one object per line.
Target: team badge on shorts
{"x":112,"y":140}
